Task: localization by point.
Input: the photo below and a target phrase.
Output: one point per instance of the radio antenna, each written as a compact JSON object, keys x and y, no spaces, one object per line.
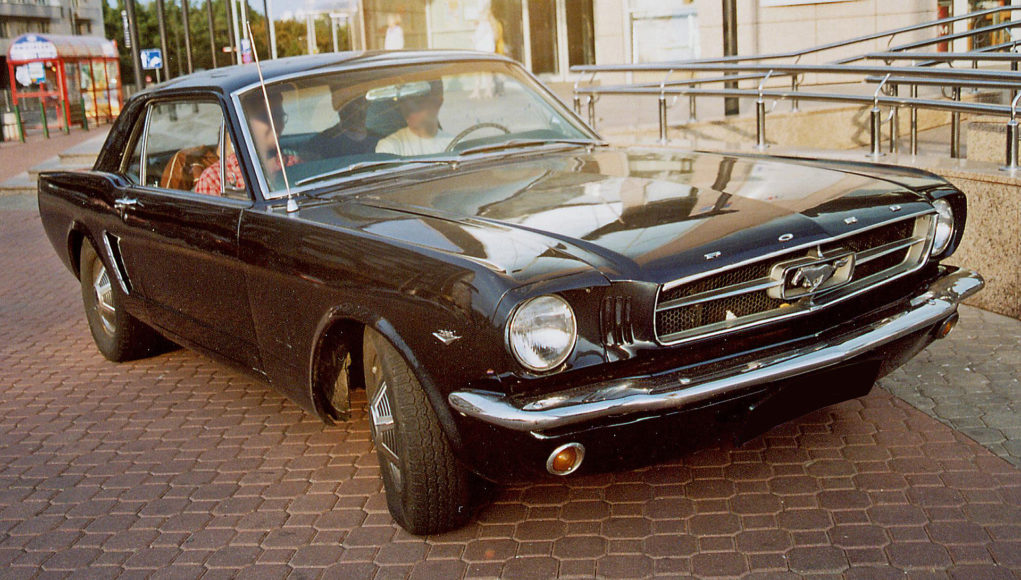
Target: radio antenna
{"x":292,"y":204}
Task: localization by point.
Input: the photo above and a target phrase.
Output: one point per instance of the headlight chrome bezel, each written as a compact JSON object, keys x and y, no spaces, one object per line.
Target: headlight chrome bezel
{"x":945,"y":228}
{"x":514,"y":345}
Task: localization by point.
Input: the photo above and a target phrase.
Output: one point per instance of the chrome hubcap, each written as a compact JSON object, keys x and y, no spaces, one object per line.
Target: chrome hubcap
{"x":384,"y":432}
{"x":104,"y":298}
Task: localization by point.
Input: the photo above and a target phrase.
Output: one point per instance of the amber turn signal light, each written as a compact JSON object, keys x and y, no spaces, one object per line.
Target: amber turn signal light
{"x":947,"y":326}
{"x":565,"y":459}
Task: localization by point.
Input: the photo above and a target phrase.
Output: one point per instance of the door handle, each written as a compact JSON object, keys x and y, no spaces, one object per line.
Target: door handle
{"x":125,"y":203}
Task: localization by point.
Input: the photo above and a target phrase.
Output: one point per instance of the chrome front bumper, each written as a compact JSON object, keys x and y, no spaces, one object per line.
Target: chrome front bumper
{"x":675,"y":391}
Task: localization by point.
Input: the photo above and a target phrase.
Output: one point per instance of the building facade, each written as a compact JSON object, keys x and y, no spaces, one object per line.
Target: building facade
{"x":64,"y":17}
{"x":550,"y":36}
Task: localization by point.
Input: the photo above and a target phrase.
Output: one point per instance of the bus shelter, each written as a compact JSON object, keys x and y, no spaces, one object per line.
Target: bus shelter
{"x":74,"y":78}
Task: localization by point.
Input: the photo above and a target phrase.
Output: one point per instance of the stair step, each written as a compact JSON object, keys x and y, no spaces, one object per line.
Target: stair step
{"x":85,"y":153}
{"x":55,"y":164}
{"x":20,"y":184}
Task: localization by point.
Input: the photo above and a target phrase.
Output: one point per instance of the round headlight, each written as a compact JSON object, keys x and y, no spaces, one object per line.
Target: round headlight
{"x":944,"y":226}
{"x":542,"y":332}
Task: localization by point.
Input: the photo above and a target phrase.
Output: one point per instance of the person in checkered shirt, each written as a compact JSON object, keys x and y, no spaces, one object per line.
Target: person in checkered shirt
{"x":262,"y":134}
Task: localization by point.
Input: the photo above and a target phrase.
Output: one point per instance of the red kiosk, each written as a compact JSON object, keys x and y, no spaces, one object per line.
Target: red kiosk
{"x":71,"y":76}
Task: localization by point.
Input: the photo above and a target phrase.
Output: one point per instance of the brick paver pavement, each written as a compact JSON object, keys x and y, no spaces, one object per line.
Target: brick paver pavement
{"x":178,"y":467}
{"x":16,"y":157}
{"x":972,"y":383}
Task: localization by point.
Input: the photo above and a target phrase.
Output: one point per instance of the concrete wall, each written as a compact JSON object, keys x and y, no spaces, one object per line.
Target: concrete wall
{"x":767,"y":28}
{"x":992,"y":239}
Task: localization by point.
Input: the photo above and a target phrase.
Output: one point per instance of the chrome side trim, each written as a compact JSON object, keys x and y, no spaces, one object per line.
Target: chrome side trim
{"x":672,"y":391}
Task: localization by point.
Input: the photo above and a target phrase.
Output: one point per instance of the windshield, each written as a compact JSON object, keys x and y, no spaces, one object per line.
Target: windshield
{"x":332,"y":125}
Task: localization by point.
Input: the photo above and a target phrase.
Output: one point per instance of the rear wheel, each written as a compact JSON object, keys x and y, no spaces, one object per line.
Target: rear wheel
{"x":118,"y":335}
{"x":427,"y":490}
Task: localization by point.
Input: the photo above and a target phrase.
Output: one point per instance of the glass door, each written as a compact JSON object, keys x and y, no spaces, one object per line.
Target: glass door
{"x":542,"y":26}
{"x":550,"y":22}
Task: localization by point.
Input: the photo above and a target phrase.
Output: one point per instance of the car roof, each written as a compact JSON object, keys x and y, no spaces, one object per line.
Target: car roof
{"x":231,"y":78}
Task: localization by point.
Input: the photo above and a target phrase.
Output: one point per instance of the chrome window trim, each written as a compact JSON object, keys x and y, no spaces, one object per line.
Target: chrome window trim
{"x":770,"y":316}
{"x":180,"y":193}
{"x":222,"y":161}
{"x":142,"y":165}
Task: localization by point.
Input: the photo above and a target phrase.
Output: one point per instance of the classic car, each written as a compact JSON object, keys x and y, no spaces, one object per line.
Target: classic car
{"x":519,"y":299}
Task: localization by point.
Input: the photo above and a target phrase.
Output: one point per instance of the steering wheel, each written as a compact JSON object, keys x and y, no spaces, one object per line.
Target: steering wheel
{"x":460,"y":136}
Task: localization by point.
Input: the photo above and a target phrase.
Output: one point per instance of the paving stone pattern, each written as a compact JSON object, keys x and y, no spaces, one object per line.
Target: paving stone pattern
{"x":972,"y":383}
{"x":176,"y":467}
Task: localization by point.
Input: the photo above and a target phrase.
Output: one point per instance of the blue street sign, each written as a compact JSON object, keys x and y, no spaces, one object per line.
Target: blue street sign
{"x":152,"y":58}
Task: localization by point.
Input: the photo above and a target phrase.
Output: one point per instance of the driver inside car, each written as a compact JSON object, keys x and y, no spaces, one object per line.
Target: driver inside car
{"x":422,"y":135}
{"x":261,"y":129}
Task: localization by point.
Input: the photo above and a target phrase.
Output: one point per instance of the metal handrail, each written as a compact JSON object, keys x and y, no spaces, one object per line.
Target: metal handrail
{"x":948,"y":82}
{"x":793,"y":69}
{"x":921,"y":74}
{"x":944,"y":56}
{"x":985,"y":49}
{"x":1012,"y":134}
{"x":940,"y":39}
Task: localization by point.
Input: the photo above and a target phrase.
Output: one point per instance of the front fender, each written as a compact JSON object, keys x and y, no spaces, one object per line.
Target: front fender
{"x":340,"y":315}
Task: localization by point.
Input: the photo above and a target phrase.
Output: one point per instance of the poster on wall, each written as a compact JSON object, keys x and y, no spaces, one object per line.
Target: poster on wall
{"x":798,"y":2}
{"x":87,"y":88}
{"x":663,"y":32}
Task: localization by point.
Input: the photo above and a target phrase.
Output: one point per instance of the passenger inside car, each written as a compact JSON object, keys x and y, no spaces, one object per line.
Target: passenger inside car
{"x":187,"y":165}
{"x":423,"y":134}
{"x":349,"y":136}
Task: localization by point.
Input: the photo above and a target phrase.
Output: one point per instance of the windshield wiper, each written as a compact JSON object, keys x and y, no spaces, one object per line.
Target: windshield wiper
{"x":380,"y":164}
{"x":520,"y":143}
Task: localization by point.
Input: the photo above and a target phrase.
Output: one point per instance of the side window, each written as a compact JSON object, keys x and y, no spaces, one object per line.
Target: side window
{"x":183,"y":148}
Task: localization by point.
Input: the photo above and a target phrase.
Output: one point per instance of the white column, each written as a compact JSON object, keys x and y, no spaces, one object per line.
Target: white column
{"x":237,"y":30}
{"x":960,"y":8}
{"x":310,"y":33}
{"x":272,"y":29}
{"x":1015,"y":33}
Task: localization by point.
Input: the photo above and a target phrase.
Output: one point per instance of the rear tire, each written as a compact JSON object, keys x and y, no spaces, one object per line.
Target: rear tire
{"x":427,"y":489}
{"x":118,"y":335}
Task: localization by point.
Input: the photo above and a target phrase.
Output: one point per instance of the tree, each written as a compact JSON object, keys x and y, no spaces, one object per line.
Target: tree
{"x":174,"y":60}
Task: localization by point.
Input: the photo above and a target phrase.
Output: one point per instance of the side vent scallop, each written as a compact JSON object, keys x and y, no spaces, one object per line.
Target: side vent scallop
{"x":615,"y":321}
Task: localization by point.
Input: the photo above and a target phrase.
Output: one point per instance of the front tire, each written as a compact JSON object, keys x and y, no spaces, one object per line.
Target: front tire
{"x":427,"y":490}
{"x":118,"y":335}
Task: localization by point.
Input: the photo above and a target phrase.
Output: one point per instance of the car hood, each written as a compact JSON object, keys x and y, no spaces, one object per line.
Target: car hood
{"x":649,"y":215}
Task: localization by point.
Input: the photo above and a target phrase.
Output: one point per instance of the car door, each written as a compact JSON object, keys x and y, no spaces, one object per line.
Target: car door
{"x":179,"y":247}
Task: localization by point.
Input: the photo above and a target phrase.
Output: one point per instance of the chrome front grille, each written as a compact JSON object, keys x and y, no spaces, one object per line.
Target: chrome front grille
{"x":791,"y":283}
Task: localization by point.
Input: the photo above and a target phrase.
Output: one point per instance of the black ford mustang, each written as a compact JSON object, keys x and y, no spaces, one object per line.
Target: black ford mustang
{"x":519,"y":299}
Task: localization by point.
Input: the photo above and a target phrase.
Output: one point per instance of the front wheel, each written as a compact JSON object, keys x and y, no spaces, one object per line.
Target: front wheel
{"x":118,"y":335}
{"x":427,"y":490}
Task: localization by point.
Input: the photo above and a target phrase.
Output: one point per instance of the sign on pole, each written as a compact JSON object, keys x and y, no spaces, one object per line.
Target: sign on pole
{"x":246,"y":51}
{"x":152,"y":58}
{"x":127,"y":29}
